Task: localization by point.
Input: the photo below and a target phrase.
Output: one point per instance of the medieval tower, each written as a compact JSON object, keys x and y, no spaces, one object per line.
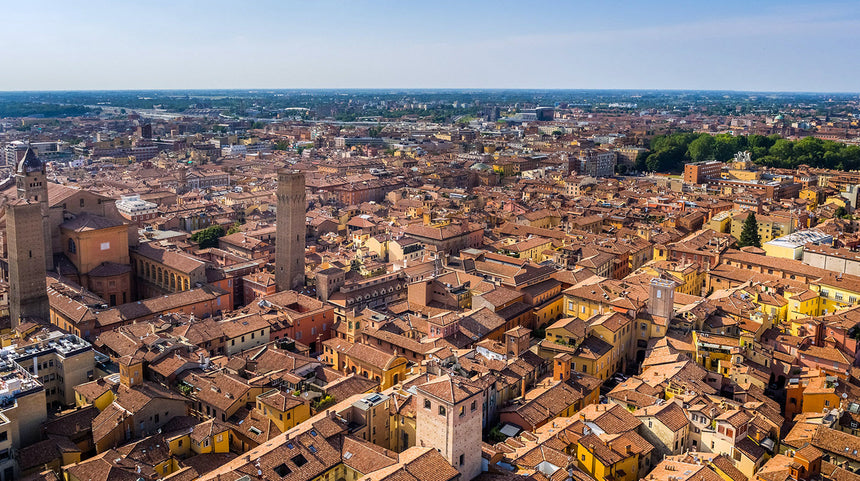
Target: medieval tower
{"x":31,"y":181}
{"x":290,"y":234}
{"x":29,"y":245}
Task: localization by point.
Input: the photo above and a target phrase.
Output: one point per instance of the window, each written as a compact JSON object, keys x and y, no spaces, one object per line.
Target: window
{"x":441,"y":410}
{"x":72,"y":247}
{"x":462,"y":459}
{"x":474,"y":405}
{"x":462,"y":410}
{"x":426,"y":404}
{"x":105,"y":246}
{"x":282,"y":470}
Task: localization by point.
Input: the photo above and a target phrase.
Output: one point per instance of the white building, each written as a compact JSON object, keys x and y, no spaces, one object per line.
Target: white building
{"x":135,"y":209}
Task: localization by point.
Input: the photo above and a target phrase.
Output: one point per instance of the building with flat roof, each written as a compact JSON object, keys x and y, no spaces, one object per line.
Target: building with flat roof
{"x":699,"y":172}
{"x":791,"y":246}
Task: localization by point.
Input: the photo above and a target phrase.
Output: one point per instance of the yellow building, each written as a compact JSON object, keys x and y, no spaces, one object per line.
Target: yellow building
{"x":769,"y":227}
{"x":365,"y":360}
{"x":689,"y":278}
{"x":99,"y":393}
{"x":721,"y":222}
{"x":814,"y":196}
{"x":527,"y":249}
{"x":836,"y":292}
{"x":609,"y":458}
{"x":615,"y":329}
{"x":714,"y":351}
{"x":592,"y":355}
{"x":504,"y":168}
{"x":569,"y":330}
{"x":801,"y":305}
{"x":285,"y":411}
{"x":207,"y":437}
{"x":740,"y":174}
{"x":774,"y":307}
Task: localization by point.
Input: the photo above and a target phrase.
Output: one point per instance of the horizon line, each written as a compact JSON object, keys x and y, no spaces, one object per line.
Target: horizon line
{"x":448,"y":89}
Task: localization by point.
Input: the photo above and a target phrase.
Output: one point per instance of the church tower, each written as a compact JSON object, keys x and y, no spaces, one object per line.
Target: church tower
{"x":290,"y":230}
{"x":31,"y":181}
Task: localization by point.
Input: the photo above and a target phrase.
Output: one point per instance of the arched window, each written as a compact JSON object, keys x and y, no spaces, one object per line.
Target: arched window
{"x":72,"y":247}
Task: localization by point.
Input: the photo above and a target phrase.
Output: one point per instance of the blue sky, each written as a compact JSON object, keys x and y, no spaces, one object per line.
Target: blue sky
{"x":694,"y":44}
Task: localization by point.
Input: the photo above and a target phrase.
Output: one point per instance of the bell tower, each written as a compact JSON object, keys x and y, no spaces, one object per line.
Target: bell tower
{"x":31,"y":181}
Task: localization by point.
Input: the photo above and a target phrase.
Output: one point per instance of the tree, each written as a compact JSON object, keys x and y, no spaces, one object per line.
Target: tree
{"x":841,"y":212}
{"x":725,"y":146}
{"x":236,"y":227}
{"x":782,"y":148}
{"x":749,"y":234}
{"x":701,"y":148}
{"x":208,"y":237}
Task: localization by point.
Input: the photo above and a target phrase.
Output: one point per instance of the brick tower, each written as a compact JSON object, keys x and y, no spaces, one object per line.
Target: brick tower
{"x":290,"y":233}
{"x":28,"y":294}
{"x":31,"y":181}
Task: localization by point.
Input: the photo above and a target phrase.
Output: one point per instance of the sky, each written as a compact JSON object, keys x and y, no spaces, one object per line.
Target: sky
{"x":751,"y":45}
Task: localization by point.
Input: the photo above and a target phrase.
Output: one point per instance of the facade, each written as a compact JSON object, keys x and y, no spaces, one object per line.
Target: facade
{"x":290,"y":236}
{"x":161,"y":271}
{"x":31,"y":183}
{"x":449,"y":419}
{"x":22,"y":411}
{"x":449,"y":238}
{"x":60,"y":362}
{"x":595,"y":162}
{"x":28,"y":296}
{"x":699,"y":172}
{"x":135,"y":209}
{"x":98,"y":248}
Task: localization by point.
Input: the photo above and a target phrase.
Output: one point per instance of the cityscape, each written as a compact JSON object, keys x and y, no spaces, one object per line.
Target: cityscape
{"x":489,"y":268}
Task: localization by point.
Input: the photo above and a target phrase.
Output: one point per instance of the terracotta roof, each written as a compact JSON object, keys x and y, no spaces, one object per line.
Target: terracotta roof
{"x":448,"y":389}
{"x":88,"y":222}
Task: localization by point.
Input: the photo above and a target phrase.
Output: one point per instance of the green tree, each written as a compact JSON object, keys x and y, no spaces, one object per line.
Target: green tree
{"x":236,"y":227}
{"x":208,"y":237}
{"x":725,"y":146}
{"x":841,"y":212}
{"x":282,"y":145}
{"x":782,"y":148}
{"x":749,"y":234}
{"x":701,"y":148}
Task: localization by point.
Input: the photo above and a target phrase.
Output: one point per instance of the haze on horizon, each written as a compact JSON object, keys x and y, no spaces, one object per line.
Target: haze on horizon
{"x":734,"y":45}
